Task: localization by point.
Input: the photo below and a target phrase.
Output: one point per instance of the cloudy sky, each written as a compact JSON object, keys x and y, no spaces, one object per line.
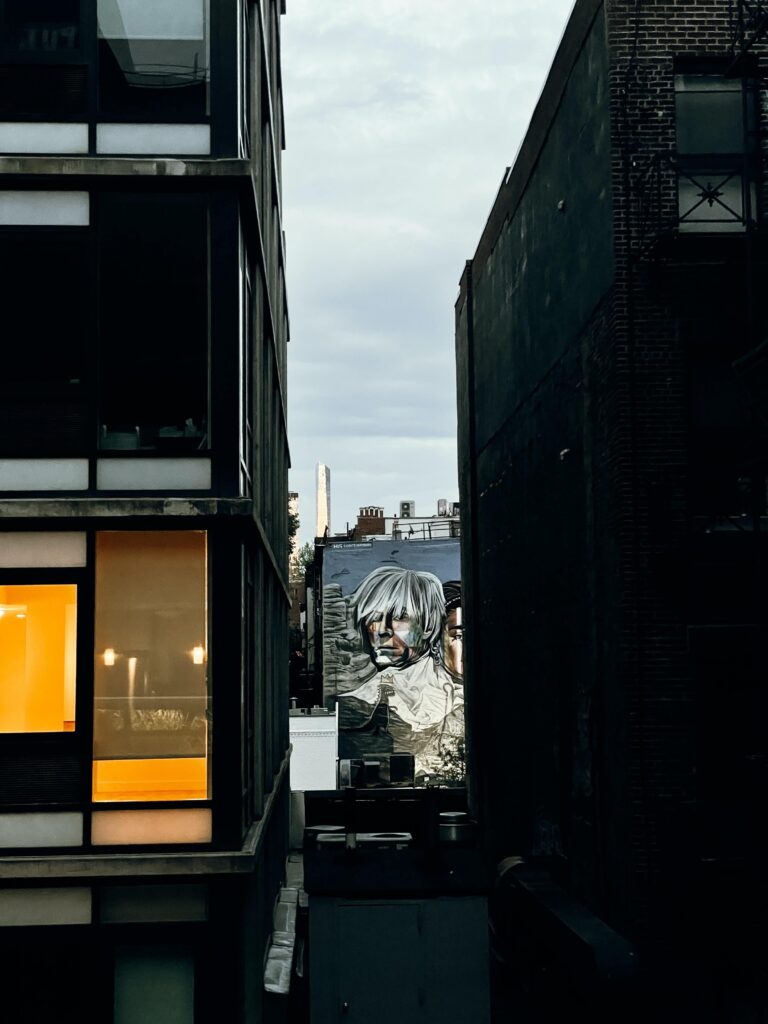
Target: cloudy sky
{"x":401,"y":116}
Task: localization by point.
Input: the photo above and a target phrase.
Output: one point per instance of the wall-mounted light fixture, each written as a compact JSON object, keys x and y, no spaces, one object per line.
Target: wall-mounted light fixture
{"x":198,"y":655}
{"x":109,"y":656}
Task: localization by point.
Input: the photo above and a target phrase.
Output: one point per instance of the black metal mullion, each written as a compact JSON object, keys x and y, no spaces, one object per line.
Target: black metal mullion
{"x":90,"y":46}
{"x":86,"y":625}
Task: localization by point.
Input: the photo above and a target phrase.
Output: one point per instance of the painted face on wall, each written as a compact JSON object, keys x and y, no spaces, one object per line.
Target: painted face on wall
{"x":453,"y":642}
{"x":395,"y":642}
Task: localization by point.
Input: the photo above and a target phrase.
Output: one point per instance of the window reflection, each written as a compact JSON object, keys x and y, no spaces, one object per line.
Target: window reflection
{"x":153,"y":59}
{"x":714,"y":121}
{"x":42,"y":26}
{"x":709,"y":112}
{"x":151,"y":690}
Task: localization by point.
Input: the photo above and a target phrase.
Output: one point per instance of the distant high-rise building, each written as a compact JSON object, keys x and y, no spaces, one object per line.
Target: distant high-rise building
{"x":323,"y":517}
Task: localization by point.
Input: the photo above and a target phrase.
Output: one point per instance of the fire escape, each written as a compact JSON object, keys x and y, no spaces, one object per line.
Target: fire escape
{"x":697,"y":232}
{"x":749,"y":25}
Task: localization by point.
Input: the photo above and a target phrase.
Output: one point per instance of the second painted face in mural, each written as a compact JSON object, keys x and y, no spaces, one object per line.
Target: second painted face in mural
{"x":453,"y":642}
{"x":395,"y":641}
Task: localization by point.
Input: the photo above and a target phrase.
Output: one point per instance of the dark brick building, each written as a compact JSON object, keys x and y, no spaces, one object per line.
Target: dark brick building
{"x":612,"y":408}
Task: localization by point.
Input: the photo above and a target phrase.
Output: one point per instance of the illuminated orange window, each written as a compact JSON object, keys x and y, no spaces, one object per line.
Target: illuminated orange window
{"x":38,"y":645}
{"x":151,"y":713}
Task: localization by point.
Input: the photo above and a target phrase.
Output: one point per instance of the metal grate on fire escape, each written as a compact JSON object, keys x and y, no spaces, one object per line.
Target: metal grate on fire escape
{"x":749,"y":25}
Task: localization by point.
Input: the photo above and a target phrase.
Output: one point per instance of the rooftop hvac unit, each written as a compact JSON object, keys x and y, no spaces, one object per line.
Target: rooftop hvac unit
{"x":442,"y":506}
{"x":407,"y":509}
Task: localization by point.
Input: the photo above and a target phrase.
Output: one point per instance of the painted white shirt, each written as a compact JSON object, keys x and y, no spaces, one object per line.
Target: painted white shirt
{"x":425,"y":693}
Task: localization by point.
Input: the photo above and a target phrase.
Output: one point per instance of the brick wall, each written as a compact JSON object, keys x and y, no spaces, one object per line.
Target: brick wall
{"x":651,"y":454}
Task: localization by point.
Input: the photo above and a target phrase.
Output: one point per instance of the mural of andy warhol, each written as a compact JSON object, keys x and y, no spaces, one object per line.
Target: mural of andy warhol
{"x":396,"y":664}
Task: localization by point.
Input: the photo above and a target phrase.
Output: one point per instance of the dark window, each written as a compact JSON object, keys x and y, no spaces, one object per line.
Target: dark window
{"x":40,"y":970}
{"x":45,"y":337}
{"x":35,"y":27}
{"x":42,"y":71}
{"x":709,"y":114}
{"x":43,"y":90}
{"x":153,"y":59}
{"x":715,"y":140}
{"x":153,"y":332}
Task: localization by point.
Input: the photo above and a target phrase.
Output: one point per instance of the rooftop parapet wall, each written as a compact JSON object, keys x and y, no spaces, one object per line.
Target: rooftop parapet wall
{"x":546,"y":256}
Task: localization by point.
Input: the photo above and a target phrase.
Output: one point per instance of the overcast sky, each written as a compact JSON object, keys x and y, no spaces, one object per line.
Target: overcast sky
{"x":401,"y":116}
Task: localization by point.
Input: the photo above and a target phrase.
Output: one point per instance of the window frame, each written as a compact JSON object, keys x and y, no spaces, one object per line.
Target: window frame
{"x":710,"y":172}
{"x":83,"y":392}
{"x":223,"y":21}
{"x":77,"y":576}
{"x":128,"y":805}
{"x":87,"y":241}
{"x":102,"y":115}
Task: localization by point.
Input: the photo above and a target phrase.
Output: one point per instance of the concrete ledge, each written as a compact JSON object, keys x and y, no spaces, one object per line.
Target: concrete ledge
{"x":152,"y":864}
{"x":89,"y":166}
{"x":116,"y":508}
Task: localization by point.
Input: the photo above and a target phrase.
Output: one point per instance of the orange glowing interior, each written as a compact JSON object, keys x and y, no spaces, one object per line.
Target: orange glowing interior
{"x":169,"y":778}
{"x":151,"y":706}
{"x":38,"y":646}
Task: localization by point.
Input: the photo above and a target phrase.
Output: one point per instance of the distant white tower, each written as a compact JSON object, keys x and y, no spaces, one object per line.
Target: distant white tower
{"x":323,"y":520}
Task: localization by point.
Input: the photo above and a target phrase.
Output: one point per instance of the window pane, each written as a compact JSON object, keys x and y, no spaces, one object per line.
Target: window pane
{"x":44,"y":209}
{"x":154,"y":985}
{"x":710,"y":115}
{"x":154,"y":323}
{"x":42,"y":136}
{"x":35,"y":907}
{"x":38,"y":643}
{"x":136,"y":19}
{"x":153,"y":474}
{"x":711,"y":201}
{"x":41,"y":550}
{"x":45,"y":328}
{"x":133,"y":904}
{"x":41,"y":829}
{"x":154,"y":139}
{"x":153,"y":59}
{"x":145,"y":828}
{"x":151,"y":687}
{"x":47,"y":90}
{"x":42,"y":26}
{"x":44,"y":306}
